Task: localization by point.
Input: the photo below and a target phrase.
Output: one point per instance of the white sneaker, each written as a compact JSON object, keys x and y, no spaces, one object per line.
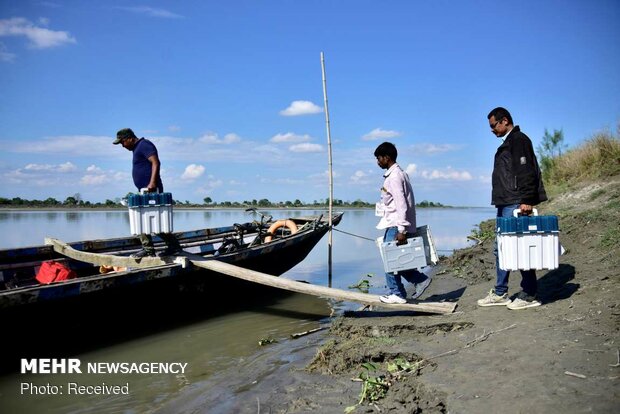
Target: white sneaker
{"x":392,"y":299}
{"x":494,"y":300}
{"x":519,"y":303}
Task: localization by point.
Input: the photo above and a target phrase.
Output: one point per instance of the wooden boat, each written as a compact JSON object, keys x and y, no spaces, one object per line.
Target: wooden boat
{"x":242,"y":245}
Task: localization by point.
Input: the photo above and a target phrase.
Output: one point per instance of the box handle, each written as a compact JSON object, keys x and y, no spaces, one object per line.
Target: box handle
{"x":145,"y":190}
{"x":518,"y":210}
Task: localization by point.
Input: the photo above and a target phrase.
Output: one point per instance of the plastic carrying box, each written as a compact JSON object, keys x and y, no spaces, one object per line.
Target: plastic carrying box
{"x":417,"y":253}
{"x":150,"y":213}
{"x":528,"y":242}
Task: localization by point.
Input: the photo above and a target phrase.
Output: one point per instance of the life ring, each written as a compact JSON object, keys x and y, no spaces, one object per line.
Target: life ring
{"x":280,"y":223}
{"x":103,"y":269}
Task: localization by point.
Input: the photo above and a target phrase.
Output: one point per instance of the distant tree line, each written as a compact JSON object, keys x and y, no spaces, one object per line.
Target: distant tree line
{"x":263,"y":202}
{"x":77,"y":201}
{"x":71,"y":201}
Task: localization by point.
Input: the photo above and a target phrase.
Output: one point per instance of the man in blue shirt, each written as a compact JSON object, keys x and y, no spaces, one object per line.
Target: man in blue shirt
{"x":145,"y":174}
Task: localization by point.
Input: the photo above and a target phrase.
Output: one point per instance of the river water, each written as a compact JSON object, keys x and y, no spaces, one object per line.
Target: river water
{"x":214,"y":343}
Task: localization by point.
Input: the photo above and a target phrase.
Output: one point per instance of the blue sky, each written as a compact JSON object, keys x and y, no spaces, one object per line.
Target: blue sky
{"x":231,"y":92}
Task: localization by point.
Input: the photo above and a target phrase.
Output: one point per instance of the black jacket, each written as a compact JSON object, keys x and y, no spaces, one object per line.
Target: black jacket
{"x":516,"y":175}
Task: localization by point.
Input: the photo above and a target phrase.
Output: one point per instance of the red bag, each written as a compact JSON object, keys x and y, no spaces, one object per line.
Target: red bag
{"x":54,"y":272}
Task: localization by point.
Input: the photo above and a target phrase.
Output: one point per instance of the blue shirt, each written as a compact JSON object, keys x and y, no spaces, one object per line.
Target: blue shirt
{"x":142,"y":167}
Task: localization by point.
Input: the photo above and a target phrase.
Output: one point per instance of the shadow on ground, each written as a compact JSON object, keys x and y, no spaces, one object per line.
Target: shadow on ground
{"x":555,"y":285}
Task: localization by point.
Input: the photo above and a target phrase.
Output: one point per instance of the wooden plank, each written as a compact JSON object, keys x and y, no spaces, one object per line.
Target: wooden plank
{"x":322,"y":291}
{"x":105,"y":259}
{"x":249,"y":275}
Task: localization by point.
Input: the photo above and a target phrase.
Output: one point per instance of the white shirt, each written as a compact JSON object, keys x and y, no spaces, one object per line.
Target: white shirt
{"x":398,"y":200}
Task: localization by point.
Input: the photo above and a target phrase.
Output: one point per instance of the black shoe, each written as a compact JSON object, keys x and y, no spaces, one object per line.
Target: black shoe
{"x":143,"y":253}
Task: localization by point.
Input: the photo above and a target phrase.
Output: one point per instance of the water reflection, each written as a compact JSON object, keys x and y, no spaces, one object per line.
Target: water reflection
{"x":450,"y":227}
{"x":207,"y":342}
{"x":72,"y":216}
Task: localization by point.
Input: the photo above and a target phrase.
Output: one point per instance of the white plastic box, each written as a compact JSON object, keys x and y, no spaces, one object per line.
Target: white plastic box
{"x":528,"y":243}
{"x":529,"y":251}
{"x":417,"y":253}
{"x":150,"y":213}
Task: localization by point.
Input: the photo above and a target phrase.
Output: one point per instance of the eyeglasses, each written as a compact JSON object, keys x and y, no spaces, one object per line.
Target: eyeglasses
{"x":495,"y":124}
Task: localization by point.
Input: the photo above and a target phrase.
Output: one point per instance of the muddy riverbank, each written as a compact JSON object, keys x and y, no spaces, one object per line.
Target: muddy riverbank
{"x":560,"y":357}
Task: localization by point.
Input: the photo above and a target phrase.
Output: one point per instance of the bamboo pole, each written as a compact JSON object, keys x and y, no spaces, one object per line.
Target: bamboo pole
{"x":331,"y":176}
{"x":101,"y":259}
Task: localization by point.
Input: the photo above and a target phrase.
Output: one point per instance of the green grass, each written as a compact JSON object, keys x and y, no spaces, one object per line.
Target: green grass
{"x":611,"y":238}
{"x":597,"y":194}
{"x":381,"y":341}
{"x":598,"y":157}
{"x":484,"y":231}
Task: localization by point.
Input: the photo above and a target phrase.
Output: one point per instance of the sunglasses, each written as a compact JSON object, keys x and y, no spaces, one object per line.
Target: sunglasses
{"x":495,"y":124}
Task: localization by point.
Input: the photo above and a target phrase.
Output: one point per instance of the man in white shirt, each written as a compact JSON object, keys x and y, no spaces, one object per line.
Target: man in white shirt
{"x":398,"y":221}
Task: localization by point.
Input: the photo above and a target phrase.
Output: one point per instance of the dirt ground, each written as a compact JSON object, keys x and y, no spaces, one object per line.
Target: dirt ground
{"x":561,"y":357}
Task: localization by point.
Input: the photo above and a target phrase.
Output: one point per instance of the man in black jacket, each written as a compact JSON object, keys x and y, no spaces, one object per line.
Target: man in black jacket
{"x":517,"y":184}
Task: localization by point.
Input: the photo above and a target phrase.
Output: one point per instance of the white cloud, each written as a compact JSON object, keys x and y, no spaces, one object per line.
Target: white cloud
{"x":358,"y":176}
{"x":174,"y":128}
{"x":66,"y":167}
{"x":324,"y":175}
{"x":94,"y":169}
{"x":40,"y":37}
{"x":43,"y":175}
{"x":301,"y":108}
{"x":411,"y":169}
{"x":435,"y":149}
{"x":60,"y":168}
{"x":185,"y":150}
{"x":306,"y":147}
{"x":281,"y":181}
{"x":290,"y":137}
{"x":211,"y":184}
{"x":212,"y":138}
{"x":192,"y":172}
{"x":484,"y":179}
{"x":379,"y":133}
{"x":448,"y":174}
{"x":96,"y":176}
{"x":66,"y":177}
{"x":76,"y":145}
{"x":152,"y":12}
{"x":90,"y":179}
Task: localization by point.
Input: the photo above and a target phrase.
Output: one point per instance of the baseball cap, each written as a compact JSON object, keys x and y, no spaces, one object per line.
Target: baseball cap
{"x":123,"y":134}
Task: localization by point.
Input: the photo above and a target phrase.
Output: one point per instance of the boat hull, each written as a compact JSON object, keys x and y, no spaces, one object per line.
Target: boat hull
{"x":274,"y":258}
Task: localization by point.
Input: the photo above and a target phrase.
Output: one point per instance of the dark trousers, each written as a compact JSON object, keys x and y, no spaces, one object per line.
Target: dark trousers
{"x":528,"y":277}
{"x":168,"y":238}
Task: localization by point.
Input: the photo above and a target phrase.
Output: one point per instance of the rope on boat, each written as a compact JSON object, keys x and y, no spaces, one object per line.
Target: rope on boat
{"x":354,"y":235}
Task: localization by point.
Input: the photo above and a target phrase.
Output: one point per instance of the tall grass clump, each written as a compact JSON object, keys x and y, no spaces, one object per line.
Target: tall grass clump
{"x":598,"y":157}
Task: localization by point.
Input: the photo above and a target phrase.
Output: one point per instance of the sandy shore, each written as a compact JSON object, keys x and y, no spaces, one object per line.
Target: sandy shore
{"x":560,"y":357}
